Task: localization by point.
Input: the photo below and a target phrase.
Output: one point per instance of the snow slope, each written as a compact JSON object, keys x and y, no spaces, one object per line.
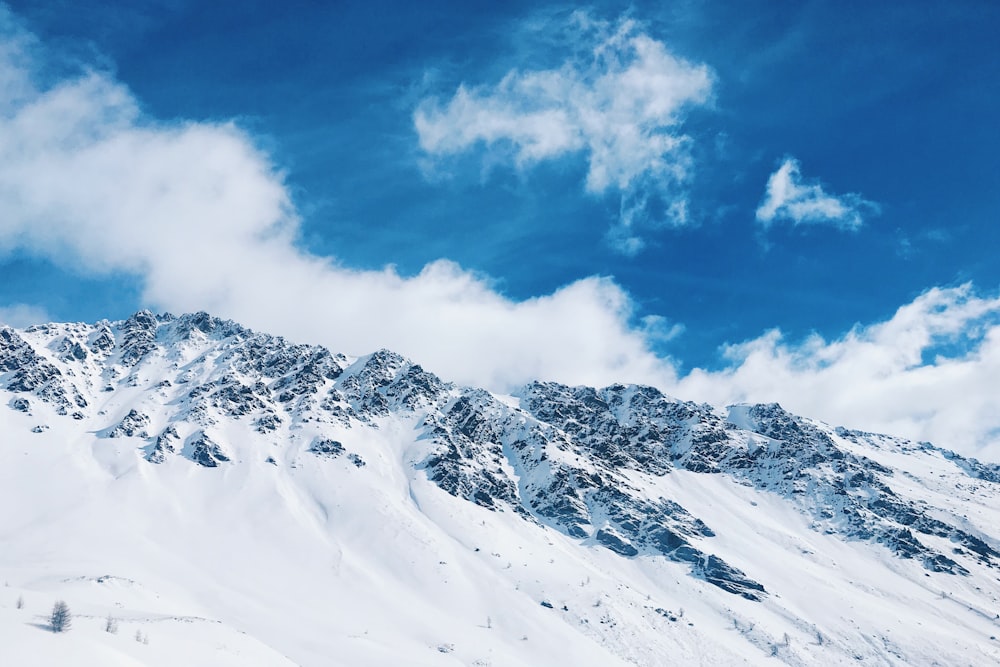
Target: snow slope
{"x":241,"y":500}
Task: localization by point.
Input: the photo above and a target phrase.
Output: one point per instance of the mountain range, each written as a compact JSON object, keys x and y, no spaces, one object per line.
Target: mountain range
{"x":233,"y":498}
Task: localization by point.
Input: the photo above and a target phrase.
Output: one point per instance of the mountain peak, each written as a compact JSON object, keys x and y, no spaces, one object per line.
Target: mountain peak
{"x":621,"y":475}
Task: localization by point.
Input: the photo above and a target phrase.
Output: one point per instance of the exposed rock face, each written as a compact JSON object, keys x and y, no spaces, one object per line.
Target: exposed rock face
{"x":205,"y":451}
{"x":167,"y":443}
{"x":577,"y":459}
{"x":25,"y":371}
{"x":132,"y":425}
{"x":326,"y":447}
{"x":139,"y":337}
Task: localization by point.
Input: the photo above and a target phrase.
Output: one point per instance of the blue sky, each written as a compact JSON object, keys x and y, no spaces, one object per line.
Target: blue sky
{"x":695,"y":174}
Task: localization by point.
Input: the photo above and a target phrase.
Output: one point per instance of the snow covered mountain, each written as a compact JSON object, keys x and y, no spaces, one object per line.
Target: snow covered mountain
{"x":241,"y":500}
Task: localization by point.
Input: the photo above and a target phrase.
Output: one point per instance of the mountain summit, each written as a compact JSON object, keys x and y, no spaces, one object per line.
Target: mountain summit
{"x":245,"y":500}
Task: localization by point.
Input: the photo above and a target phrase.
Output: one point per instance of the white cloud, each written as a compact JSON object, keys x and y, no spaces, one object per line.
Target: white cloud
{"x":788,"y":199}
{"x":928,"y":373}
{"x":200,"y":214}
{"x":618,"y":101}
{"x":21,"y":315}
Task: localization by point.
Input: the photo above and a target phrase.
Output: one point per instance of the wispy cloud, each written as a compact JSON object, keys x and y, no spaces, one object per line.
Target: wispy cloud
{"x":910,"y":245}
{"x":789,"y":199}
{"x":618,"y":101}
{"x":204,"y":219}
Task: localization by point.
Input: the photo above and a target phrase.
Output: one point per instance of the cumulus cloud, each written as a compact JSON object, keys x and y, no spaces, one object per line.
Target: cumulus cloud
{"x":618,"y":101}
{"x":928,"y":373}
{"x":789,"y":199}
{"x":202,"y":216}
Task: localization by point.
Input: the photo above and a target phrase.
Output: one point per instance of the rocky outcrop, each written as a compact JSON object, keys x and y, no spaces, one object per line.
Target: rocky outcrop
{"x":22,"y":370}
{"x":132,"y":425}
{"x":167,"y":443}
{"x":138,"y":337}
{"x":205,"y":451}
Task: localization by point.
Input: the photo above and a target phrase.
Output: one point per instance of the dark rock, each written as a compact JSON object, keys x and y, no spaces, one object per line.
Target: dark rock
{"x":138,"y":337}
{"x":614,"y":542}
{"x":326,"y":447}
{"x":267,"y":423}
{"x":728,"y":578}
{"x":168,"y":442}
{"x":70,"y":350}
{"x":103,"y":341}
{"x":132,"y":425}
{"x":205,"y":451}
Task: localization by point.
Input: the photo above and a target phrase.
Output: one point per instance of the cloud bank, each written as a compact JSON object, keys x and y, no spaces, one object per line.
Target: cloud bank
{"x":618,"y":102}
{"x":788,"y":199}
{"x":204,"y":218}
{"x":928,"y":372}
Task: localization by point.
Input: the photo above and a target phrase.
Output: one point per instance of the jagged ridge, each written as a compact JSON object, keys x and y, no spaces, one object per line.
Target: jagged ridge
{"x":567,"y":457}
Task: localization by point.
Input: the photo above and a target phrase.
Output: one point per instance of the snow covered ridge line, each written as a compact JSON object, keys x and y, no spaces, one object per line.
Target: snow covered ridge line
{"x":594,"y":464}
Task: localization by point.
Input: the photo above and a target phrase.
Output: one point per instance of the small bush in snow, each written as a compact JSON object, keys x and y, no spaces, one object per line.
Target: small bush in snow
{"x":60,"y":619}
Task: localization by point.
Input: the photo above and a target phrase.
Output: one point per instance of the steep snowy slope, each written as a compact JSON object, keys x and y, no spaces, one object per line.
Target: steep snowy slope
{"x":238,"y":499}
